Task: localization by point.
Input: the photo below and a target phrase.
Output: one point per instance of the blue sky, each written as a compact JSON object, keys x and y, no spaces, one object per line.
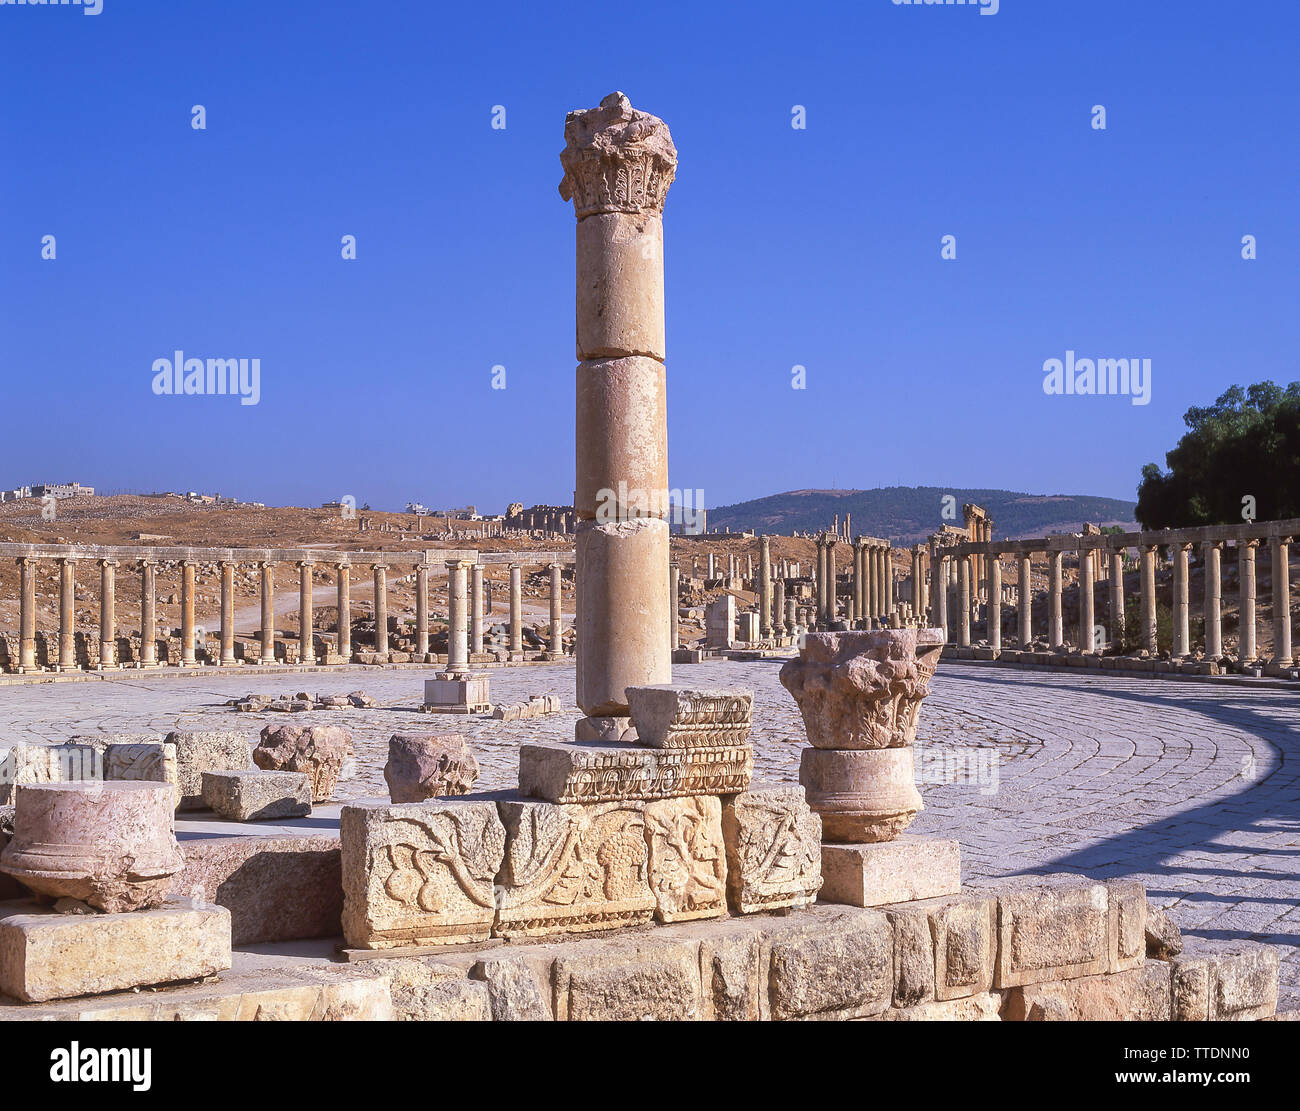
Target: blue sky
{"x":817,"y":247}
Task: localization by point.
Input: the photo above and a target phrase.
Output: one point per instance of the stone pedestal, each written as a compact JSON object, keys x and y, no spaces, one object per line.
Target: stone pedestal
{"x":45,"y":955}
{"x":898,"y":871}
{"x":456,"y":692}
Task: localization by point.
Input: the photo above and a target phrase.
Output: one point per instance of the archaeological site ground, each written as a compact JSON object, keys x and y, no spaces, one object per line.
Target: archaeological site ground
{"x":292,"y":731}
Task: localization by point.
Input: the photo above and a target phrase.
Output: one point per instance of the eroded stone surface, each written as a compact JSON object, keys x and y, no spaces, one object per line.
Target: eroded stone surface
{"x":585,"y":772}
{"x":199,"y":751}
{"x":670,"y":716}
{"x":318,"y":750}
{"x":257,"y":796}
{"x":425,"y":765}
{"x":1051,"y":929}
{"x":688,"y":862}
{"x":774,"y":852}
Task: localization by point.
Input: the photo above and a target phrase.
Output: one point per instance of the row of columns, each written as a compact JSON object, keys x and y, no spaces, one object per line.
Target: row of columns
{"x":1092,"y":633}
{"x":465,"y":617}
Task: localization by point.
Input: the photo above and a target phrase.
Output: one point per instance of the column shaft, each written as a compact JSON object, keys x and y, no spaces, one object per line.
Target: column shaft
{"x":1246,"y":650}
{"x":148,"y":615}
{"x":1213,"y":601}
{"x":228,"y":614}
{"x":476,"y":608}
{"x":107,"y":614}
{"x":306,"y":645}
{"x":381,"y":611}
{"x":516,"y":610}
{"x":1026,"y":601}
{"x":343,"y":584}
{"x":267,"y":634}
{"x":1055,"y":626}
{"x":26,"y":614}
{"x":188,"y":656}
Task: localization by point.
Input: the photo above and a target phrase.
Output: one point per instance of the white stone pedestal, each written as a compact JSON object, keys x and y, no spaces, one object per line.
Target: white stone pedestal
{"x":909,"y":867}
{"x":456,"y":692}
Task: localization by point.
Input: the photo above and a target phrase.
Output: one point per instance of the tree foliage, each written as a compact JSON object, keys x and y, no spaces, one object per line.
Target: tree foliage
{"x":1245,"y":445}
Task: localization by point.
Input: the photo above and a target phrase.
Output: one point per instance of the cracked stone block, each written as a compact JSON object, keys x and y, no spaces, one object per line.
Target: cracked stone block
{"x":831,"y":967}
{"x":774,"y":850}
{"x":257,"y":796}
{"x":688,"y":861}
{"x":610,"y":981}
{"x":1219,"y":981}
{"x":1137,"y":994}
{"x":199,"y":751}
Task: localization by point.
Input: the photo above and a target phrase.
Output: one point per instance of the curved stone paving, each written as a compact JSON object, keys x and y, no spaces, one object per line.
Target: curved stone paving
{"x":1191,"y":789}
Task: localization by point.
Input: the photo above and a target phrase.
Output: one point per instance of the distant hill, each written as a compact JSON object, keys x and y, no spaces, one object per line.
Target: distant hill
{"x":912,"y":513}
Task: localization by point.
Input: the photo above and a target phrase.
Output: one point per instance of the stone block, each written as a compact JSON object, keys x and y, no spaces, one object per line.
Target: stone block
{"x":911,"y":867}
{"x":688,"y":860}
{"x":276,"y":888}
{"x":319,"y":751}
{"x":425,"y":766}
{"x":1137,"y":994}
{"x":774,"y":852}
{"x":206,"y":751}
{"x":457,"y":693}
{"x":985,"y":1007}
{"x":1219,"y":981}
{"x":669,"y":716}
{"x":1127,"y":925}
{"x":419,"y":873}
{"x":913,"y":957}
{"x":1162,"y":936}
{"x":31,"y":763}
{"x":830,"y":966}
{"x":603,"y":730}
{"x":572,"y":869}
{"x":152,"y":761}
{"x":1051,"y":928}
{"x":584,"y":772}
{"x":515,"y":992}
{"x":45,"y":955}
{"x":616,"y":981}
{"x":257,"y":796}
{"x":731,"y":972}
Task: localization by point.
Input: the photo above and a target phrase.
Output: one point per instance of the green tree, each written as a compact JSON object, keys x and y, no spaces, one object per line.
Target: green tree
{"x":1247,"y":444}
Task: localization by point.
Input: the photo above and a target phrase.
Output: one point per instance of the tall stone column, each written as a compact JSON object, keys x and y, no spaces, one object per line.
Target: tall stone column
{"x":887,"y":576}
{"x":1210,"y":555}
{"x":188,"y":656}
{"x":343,"y":585}
{"x":1087,"y":604}
{"x":764,"y":588}
{"x":674,"y":594}
{"x":1182,"y":638}
{"x":1117,"y":597}
{"x":964,"y":600}
{"x":1246,"y":650}
{"x":67,"y":615}
{"x":860,"y":578}
{"x":267,"y":635}
{"x":832,"y":593}
{"x":918,"y":584}
{"x":381,"y":612}
{"x":1149,"y":631}
{"x":1026,"y":601}
{"x":872,"y":560}
{"x":1055,"y":626}
{"x":107,"y":614}
{"x":306,"y":646}
{"x":476,"y":608}
{"x":227,"y":614}
{"x":148,"y":615}
{"x":457,"y":623}
{"x":1282,"y":658}
{"x":778,"y":608}
{"x":618,"y":164}
{"x":421,"y":612}
{"x":516,"y":610}
{"x":26,"y":614}
{"x":994,"y":606}
{"x":939,"y":592}
{"x":556,"y":646}
{"x":820,"y":579}
{"x":791,"y":616}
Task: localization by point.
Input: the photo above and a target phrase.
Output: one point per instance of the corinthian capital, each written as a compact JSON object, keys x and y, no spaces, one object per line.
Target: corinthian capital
{"x":616,"y":159}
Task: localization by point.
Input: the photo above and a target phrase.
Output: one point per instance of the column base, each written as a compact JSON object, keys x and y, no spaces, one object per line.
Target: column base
{"x":909,"y":867}
{"x":232,"y":662}
{"x":1280,"y":669}
{"x":67,"y":667}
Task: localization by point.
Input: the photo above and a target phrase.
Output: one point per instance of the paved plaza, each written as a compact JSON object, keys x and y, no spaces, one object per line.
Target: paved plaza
{"x":1189,"y":788}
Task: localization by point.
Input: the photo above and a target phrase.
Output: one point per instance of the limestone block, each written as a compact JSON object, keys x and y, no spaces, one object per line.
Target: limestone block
{"x":453,"y":999}
{"x":1224,"y":980}
{"x":419,"y":873}
{"x":150,"y":761}
{"x":587,"y":772}
{"x":1128,"y":924}
{"x":45,"y":955}
{"x":110,"y":845}
{"x":1162,"y":936}
{"x":622,"y":457}
{"x":620,"y":296}
{"x":774,"y":852}
{"x":206,"y":751}
{"x":731,"y":970}
{"x":515,"y":993}
{"x":1137,"y":994}
{"x":317,"y":750}
{"x":863,"y":795}
{"x":688,"y":861}
{"x":985,"y":1007}
{"x":604,"y":729}
{"x":257,"y":796}
{"x":831,"y":966}
{"x":276,"y":888}
{"x":670,"y":716}
{"x":1051,"y":928}
{"x":623,"y":619}
{"x":571,"y":869}
{"x":31,"y":763}
{"x":457,"y":693}
{"x":911,"y":867}
{"x":425,"y":766}
{"x":333,"y":993}
{"x":913,"y":957}
{"x":611,"y":981}
{"x":965,"y":945}
{"x":863,"y":689}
